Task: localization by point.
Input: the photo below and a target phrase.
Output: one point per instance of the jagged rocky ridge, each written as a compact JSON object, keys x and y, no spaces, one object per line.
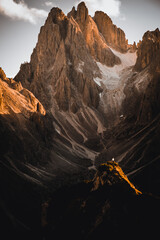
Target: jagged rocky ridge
{"x":96,"y":105}
{"x":61,"y":63}
{"x":95,"y":41}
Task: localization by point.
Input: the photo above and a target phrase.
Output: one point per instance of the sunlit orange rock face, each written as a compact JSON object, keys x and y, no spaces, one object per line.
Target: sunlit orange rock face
{"x":95,"y":41}
{"x":16,"y":99}
{"x":114,"y":36}
{"x":111,"y":173}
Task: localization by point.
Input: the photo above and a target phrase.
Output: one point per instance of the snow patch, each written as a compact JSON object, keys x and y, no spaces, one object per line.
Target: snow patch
{"x":127,"y":59}
{"x":111,"y":76}
{"x":69,"y":62}
{"x":80,"y":67}
{"x":98,"y":81}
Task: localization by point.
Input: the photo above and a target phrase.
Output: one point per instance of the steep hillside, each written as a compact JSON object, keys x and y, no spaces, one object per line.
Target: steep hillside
{"x":148,"y":51}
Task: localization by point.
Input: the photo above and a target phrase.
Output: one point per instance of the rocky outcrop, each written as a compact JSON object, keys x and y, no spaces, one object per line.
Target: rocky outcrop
{"x":2,"y":74}
{"x":61,"y":62}
{"x":94,"y":39}
{"x":110,"y":174}
{"x":115,"y":37}
{"x":148,"y":51}
{"x":108,"y":203}
{"x":17,"y":99}
{"x":132,"y":47}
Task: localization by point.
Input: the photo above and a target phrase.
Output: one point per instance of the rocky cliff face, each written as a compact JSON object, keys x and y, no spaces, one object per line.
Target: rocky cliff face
{"x":148,"y":51}
{"x":148,"y":65}
{"x":61,"y":62}
{"x":15,"y":98}
{"x":61,"y":73}
{"x":115,"y":37}
{"x":96,"y":43}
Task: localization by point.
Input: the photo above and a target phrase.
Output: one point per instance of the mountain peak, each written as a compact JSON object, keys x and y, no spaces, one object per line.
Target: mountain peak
{"x":2,"y":74}
{"x":82,"y":12}
{"x":148,"y":51}
{"x":114,"y":36}
{"x":57,"y":14}
{"x":61,"y":60}
{"x":95,"y":41}
{"x":152,"y":35}
{"x":101,"y":14}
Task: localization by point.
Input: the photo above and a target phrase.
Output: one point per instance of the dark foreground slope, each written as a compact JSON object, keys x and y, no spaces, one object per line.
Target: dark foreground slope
{"x":107,"y":206}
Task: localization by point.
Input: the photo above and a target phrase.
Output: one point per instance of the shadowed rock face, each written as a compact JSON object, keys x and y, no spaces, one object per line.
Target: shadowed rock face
{"x":107,"y":204}
{"x":148,"y":62}
{"x":148,"y":51}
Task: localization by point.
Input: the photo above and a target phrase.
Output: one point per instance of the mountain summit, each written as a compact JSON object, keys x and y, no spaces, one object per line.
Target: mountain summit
{"x":95,"y":41}
{"x":61,"y":65}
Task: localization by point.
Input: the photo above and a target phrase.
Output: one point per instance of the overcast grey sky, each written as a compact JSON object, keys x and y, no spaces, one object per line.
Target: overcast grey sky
{"x":20,"y":22}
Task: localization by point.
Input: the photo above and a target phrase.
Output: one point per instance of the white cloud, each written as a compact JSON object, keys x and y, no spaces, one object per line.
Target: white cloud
{"x":21,"y":11}
{"x":49,"y":4}
{"x":111,"y":7}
